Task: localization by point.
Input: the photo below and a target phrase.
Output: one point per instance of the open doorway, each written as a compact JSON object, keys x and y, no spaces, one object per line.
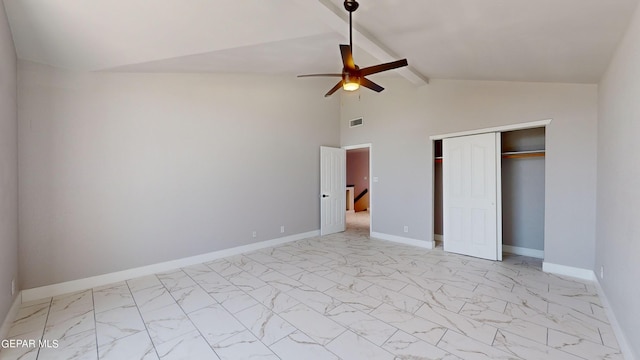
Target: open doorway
{"x":358,"y":217}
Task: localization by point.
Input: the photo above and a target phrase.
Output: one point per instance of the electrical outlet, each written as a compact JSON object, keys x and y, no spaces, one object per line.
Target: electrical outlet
{"x":13,"y":287}
{"x":602,"y":272}
{"x":282,"y":229}
{"x":254,"y":234}
{"x":406,"y":229}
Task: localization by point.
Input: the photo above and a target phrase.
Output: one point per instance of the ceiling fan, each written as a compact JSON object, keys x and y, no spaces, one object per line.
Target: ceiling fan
{"x":352,"y":76}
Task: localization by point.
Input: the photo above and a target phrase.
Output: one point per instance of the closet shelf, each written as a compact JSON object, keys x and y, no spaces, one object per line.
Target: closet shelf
{"x":512,"y":155}
{"x":523,"y":154}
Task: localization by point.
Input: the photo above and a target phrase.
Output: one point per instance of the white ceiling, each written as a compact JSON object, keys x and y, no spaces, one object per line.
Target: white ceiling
{"x":513,"y":40}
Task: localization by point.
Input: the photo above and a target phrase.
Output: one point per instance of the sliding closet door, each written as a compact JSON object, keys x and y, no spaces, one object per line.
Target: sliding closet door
{"x":470,"y":181}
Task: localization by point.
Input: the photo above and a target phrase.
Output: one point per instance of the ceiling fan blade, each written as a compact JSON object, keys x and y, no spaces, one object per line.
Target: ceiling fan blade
{"x":310,"y":75}
{"x":334,"y":89}
{"x":347,"y":57}
{"x":383,"y":67}
{"x":370,"y":84}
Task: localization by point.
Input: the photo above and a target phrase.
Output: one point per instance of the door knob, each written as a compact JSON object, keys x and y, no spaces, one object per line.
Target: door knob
{"x":325,"y":195}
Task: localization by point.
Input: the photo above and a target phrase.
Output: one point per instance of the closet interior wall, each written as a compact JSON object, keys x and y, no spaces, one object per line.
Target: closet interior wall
{"x":523,"y":154}
{"x":437,"y":191}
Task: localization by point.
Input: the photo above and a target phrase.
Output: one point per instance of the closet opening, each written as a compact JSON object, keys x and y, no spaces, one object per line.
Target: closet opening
{"x":523,"y":162}
{"x":437,"y":193}
{"x":522,"y":192}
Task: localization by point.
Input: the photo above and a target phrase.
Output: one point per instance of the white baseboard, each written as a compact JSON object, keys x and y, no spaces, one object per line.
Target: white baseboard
{"x":579,"y":273}
{"x":523,"y":251}
{"x":11,"y":315}
{"x":105,"y":279}
{"x":623,"y":342}
{"x":403,"y":240}
{"x":437,"y":237}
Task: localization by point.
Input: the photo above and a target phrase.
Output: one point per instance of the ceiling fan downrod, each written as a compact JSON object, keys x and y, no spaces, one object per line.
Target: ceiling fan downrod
{"x":351,"y":6}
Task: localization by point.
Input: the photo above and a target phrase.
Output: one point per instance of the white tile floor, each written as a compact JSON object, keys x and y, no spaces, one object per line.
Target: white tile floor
{"x":337,"y":297}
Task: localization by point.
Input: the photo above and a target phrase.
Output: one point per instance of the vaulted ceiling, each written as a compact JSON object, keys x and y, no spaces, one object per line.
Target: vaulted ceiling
{"x":512,"y":40}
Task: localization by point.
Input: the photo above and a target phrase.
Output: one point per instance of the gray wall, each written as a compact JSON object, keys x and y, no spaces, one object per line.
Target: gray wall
{"x":124,"y":170}
{"x":618,"y":226}
{"x":399,"y":121}
{"x":523,"y":190}
{"x":8,"y":166}
{"x":523,"y":203}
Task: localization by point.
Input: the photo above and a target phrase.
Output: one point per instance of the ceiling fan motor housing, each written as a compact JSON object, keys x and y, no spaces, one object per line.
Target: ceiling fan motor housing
{"x":350,"y":77}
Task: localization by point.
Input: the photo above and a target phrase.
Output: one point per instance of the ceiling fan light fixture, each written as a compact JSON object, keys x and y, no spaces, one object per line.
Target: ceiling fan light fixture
{"x":351,"y":86}
{"x":351,"y":83}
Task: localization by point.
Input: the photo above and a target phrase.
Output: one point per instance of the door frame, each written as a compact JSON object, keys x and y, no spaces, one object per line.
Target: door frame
{"x":370,"y":147}
{"x":496,"y":129}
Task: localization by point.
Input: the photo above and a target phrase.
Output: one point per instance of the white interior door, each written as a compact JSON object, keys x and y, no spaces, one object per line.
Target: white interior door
{"x":333,"y":186}
{"x":471,"y":216}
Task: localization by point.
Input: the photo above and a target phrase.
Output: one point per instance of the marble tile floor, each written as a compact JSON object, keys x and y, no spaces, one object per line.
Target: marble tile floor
{"x":342,"y":296}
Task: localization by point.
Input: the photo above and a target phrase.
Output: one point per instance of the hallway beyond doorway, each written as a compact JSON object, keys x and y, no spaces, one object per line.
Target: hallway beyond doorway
{"x":359,"y":222}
